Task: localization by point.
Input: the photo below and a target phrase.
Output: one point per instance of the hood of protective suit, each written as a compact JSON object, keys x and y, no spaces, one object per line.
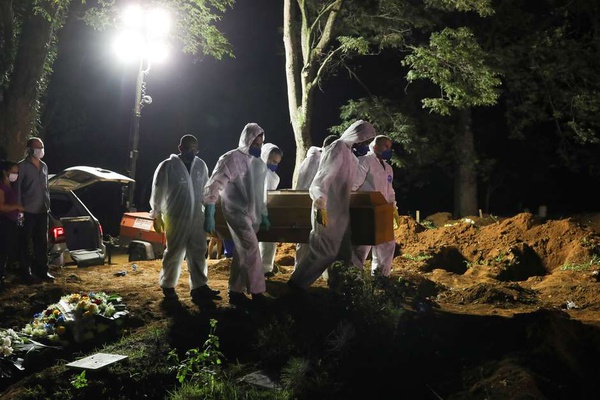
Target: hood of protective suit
{"x":374,"y":142}
{"x":266,"y":150}
{"x":358,"y":132}
{"x":250,"y":132}
{"x":312,"y":151}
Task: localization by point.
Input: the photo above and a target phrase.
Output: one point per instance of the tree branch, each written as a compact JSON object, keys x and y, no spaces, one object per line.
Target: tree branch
{"x":327,"y":31}
{"x":324,"y":64}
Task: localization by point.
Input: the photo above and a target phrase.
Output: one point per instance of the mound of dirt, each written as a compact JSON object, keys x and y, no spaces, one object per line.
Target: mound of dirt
{"x":502,"y":267}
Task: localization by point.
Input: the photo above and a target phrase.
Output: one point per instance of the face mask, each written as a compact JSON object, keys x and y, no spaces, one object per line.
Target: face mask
{"x":254,"y":151}
{"x":13,"y":177}
{"x":272,"y":167}
{"x":386,"y":155}
{"x":361,"y":150}
{"x":188,"y":155}
{"x":38,"y":153}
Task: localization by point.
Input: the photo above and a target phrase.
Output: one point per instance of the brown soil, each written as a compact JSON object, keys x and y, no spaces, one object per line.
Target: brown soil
{"x":517,"y":281}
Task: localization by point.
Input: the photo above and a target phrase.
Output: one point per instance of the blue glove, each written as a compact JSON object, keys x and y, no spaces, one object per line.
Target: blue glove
{"x":265,"y":224}
{"x":209,"y":218}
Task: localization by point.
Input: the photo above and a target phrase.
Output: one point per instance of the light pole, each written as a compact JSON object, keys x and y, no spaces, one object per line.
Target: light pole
{"x":143,"y":38}
{"x":134,"y":136}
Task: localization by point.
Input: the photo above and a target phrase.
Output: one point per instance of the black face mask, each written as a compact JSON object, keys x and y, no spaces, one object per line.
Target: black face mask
{"x":254,"y":151}
{"x":361,"y":150}
{"x":188,"y":155}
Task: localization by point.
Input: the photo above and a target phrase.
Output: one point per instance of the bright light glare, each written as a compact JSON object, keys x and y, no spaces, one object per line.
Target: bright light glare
{"x":133,"y":17}
{"x":157,"y":52}
{"x":129,"y":45}
{"x":158,"y":22}
{"x":144,"y":34}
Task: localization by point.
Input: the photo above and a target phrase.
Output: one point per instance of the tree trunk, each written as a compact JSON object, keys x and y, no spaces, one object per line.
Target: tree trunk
{"x":306,"y":56}
{"x":465,"y":178}
{"x":297,"y":98}
{"x":19,"y":107}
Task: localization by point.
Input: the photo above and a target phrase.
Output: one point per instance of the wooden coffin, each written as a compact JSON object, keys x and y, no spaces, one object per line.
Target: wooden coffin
{"x":371,"y":218}
{"x":290,"y":216}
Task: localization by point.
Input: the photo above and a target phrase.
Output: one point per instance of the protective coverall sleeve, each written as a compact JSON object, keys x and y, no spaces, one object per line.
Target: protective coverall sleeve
{"x":329,"y":164}
{"x":159,"y":190}
{"x":222,"y":174}
{"x":391,"y":192}
{"x":308,"y":170}
{"x":272,"y":180}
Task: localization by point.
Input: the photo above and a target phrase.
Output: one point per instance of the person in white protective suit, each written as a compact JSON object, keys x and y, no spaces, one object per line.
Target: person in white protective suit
{"x":310,"y":165}
{"x":271,"y":155}
{"x":306,"y":174}
{"x":239,"y":180}
{"x":376,"y":175}
{"x":176,"y":206}
{"x":329,"y":239}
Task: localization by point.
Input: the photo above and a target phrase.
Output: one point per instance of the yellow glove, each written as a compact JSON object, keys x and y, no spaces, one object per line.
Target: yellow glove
{"x":322,"y":216}
{"x":159,"y":224}
{"x":396,"y":219}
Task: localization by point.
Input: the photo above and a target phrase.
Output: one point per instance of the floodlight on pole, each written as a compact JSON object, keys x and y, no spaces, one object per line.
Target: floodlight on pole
{"x":142,"y":39}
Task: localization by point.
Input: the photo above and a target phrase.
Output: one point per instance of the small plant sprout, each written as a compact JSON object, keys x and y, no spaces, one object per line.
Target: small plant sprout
{"x":79,"y":381}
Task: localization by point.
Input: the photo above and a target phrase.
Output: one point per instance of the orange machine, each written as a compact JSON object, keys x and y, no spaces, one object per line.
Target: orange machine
{"x":137,"y":232}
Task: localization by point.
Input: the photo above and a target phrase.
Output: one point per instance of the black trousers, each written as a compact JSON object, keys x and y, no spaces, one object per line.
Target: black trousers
{"x":8,"y":236}
{"x":34,"y":244}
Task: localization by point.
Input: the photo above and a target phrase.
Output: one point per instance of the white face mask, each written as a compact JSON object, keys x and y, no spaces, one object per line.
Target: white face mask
{"x":38,"y":153}
{"x":13,"y":177}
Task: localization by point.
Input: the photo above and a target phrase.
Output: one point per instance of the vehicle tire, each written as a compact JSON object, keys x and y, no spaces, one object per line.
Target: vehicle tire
{"x":56,"y":260}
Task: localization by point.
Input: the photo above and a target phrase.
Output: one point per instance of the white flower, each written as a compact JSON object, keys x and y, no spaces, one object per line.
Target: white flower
{"x":7,"y":338}
{"x":110,"y":310}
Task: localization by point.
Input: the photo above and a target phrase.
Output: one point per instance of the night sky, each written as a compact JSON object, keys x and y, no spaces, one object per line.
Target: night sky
{"x":209,"y":98}
{"x":94,"y":93}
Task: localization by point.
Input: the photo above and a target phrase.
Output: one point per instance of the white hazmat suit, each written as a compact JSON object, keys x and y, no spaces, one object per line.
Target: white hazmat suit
{"x":308,"y":168}
{"x":177,"y":198}
{"x":375,"y":175}
{"x":268,"y":249}
{"x":330,"y":190}
{"x":239,"y":179}
{"x":306,"y":174}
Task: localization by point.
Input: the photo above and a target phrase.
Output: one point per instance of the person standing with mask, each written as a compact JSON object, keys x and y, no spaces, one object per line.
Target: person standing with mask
{"x":176,"y":206}
{"x":271,"y":155}
{"x":376,"y":175}
{"x":33,"y":194}
{"x":9,"y":210}
{"x":239,"y":180}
